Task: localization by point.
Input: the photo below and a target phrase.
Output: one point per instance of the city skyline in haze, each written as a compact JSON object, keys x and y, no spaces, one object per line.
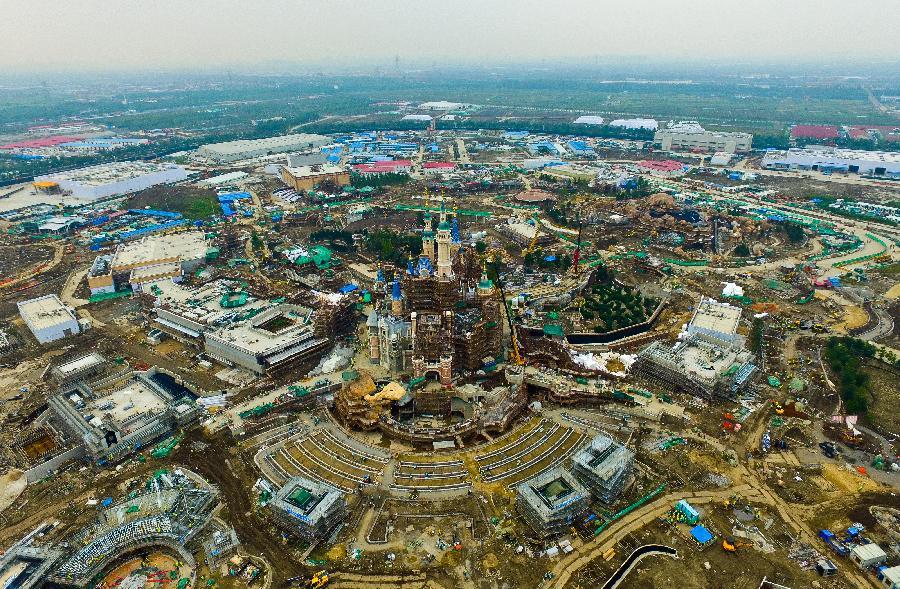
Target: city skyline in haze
{"x":204,"y":34}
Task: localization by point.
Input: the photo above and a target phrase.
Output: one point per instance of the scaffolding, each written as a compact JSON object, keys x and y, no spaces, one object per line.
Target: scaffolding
{"x":604,"y":467}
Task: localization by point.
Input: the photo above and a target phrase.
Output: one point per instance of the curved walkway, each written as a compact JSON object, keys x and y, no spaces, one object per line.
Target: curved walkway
{"x":634,"y":558}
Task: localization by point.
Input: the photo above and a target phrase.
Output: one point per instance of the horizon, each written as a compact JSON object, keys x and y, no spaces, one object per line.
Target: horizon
{"x":310,"y":35}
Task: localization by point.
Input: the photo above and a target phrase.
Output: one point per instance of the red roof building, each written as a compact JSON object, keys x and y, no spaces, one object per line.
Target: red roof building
{"x":384,"y":167}
{"x":821,"y":132}
{"x":662,"y":167}
{"x":437,"y":167}
{"x":42,"y":142}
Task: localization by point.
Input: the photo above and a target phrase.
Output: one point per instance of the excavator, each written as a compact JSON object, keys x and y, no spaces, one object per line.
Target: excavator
{"x":317,"y":581}
{"x":729,"y":544}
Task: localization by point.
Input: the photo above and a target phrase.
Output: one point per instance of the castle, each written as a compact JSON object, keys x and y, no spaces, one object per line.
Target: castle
{"x":435,"y":321}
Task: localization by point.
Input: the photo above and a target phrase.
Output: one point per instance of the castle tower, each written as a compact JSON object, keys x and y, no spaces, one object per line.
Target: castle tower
{"x":374,"y":343}
{"x":446,"y":371}
{"x":428,"y":232}
{"x":396,"y":299}
{"x":444,"y":239}
{"x":485,"y":285}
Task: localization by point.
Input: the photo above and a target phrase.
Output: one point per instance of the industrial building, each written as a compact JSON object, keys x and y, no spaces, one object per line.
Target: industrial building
{"x":383,"y":167}
{"x":443,"y":105}
{"x":309,"y":509}
{"x":604,"y":467}
{"x":709,"y":359}
{"x":690,"y":136}
{"x":232,"y":151}
{"x":48,"y":318}
{"x":148,"y":260}
{"x":833,"y":159}
{"x":305,"y":178}
{"x":112,"y":417}
{"x":113,"y":179}
{"x":551,"y":502}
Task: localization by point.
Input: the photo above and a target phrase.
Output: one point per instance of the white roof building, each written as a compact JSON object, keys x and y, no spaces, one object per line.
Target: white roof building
{"x":715,"y":319}
{"x":588,"y":120}
{"x":690,"y":135}
{"x":442,"y":105}
{"x":867,"y":555}
{"x":115,"y":178}
{"x":231,"y":151}
{"x":416,"y":118}
{"x":48,"y":318}
{"x":877,"y":163}
{"x":650,"y":124}
{"x":891,"y":577}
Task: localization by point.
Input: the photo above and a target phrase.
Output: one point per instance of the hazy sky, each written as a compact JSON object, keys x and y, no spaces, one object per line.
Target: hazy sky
{"x":160,"y":34}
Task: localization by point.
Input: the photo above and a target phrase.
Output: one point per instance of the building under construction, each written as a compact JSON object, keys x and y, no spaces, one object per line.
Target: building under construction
{"x":604,"y":467}
{"x":435,"y":321}
{"x":709,"y":361}
{"x":109,"y":417}
{"x":551,"y":502}
{"x":309,"y":509}
{"x":171,"y":511}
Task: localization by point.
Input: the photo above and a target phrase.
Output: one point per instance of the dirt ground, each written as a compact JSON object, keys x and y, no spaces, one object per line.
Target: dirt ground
{"x":885,"y":387}
{"x":156,"y":564}
{"x":701,"y":567}
{"x":12,"y":483}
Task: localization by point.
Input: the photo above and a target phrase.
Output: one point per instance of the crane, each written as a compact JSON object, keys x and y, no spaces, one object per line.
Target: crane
{"x":516,"y":353}
{"x":577,"y":256}
{"x":533,"y":244}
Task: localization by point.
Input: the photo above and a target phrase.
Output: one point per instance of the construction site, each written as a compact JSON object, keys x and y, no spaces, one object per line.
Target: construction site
{"x":486,"y":372}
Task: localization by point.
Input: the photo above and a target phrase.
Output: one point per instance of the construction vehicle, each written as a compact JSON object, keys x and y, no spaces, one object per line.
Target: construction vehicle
{"x":731,"y":545}
{"x":318,"y":580}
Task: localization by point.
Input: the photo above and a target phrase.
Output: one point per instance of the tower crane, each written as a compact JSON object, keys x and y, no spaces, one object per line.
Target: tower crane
{"x":517,"y":358}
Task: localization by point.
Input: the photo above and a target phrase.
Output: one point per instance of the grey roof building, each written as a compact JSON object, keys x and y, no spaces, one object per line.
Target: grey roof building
{"x":309,"y":509}
{"x":551,"y":502}
{"x":604,"y":467}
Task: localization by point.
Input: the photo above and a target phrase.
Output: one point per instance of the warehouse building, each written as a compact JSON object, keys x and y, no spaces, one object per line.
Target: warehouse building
{"x":48,"y":318}
{"x":690,"y":136}
{"x":588,"y":120}
{"x":113,"y":179}
{"x":232,"y":151}
{"x":833,"y":159}
{"x":309,"y":509}
{"x":305,"y":178}
{"x":551,"y":501}
{"x":604,"y":467}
